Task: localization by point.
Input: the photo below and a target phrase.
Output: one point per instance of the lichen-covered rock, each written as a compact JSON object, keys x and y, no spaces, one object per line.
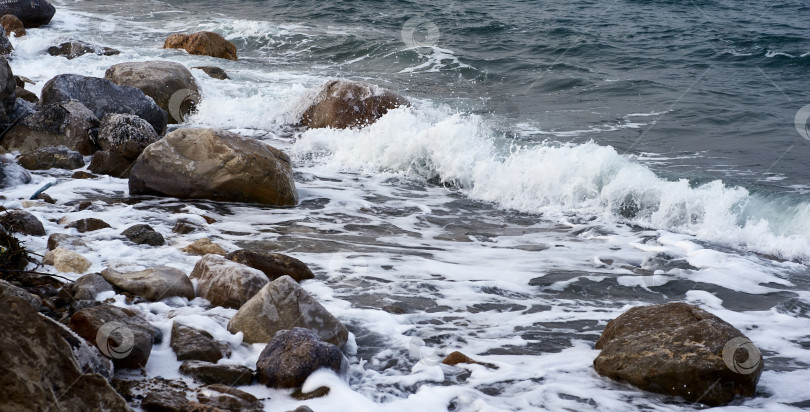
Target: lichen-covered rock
{"x":102,"y":96}
{"x":214,"y":164}
{"x":680,"y":350}
{"x":226,"y":283}
{"x":342,"y":104}
{"x":126,"y":134}
{"x":153,"y":284}
{"x":75,"y":48}
{"x":204,"y":43}
{"x":51,"y":157}
{"x":66,"y":261}
{"x":32,"y":13}
{"x":273,"y":265}
{"x":292,"y":355}
{"x":120,"y":334}
{"x":283,"y":304}
{"x":39,"y":370}
{"x":160,"y":80}
{"x":190,"y":343}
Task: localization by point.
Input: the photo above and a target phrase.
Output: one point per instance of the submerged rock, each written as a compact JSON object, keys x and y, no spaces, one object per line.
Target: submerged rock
{"x":226,"y":283}
{"x":273,"y":265}
{"x":39,"y":370}
{"x":283,"y":304}
{"x":190,"y":343}
{"x":214,"y":164}
{"x":342,"y":104}
{"x":160,"y":80}
{"x":120,"y":334}
{"x":66,"y":241}
{"x":214,"y":72}
{"x":51,"y":157}
{"x":292,"y":355}
{"x":144,"y":235}
{"x":204,"y":43}
{"x":153,"y":284}
{"x":102,"y":96}
{"x":75,"y":48}
{"x":32,"y":13}
{"x":680,"y":350}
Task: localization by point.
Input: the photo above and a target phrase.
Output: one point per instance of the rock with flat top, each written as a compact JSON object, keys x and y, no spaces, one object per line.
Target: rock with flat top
{"x":153,"y":284}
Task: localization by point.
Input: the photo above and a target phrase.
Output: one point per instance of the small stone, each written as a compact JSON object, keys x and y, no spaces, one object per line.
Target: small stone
{"x":46,"y":198}
{"x":303,"y":408}
{"x":214,"y":72}
{"x":81,"y":174}
{"x":65,"y":241}
{"x":22,"y":222}
{"x":227,"y":398}
{"x":66,"y":261}
{"x":88,"y":225}
{"x":190,"y":343}
{"x":164,"y":401}
{"x":144,"y":235}
{"x":457,"y":357}
{"x":26,"y":95}
{"x":317,"y":393}
{"x":204,"y":246}
{"x":185,"y":227}
{"x":108,"y":162}
{"x":211,"y":373}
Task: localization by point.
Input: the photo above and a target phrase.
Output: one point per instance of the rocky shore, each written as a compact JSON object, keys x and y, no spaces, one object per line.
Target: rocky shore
{"x":64,"y":342}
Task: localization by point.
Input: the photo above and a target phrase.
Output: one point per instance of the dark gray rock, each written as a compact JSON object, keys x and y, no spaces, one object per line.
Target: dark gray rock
{"x":211,"y":373}
{"x":33,"y":13}
{"x":273,"y":265}
{"x":21,"y":221}
{"x":12,"y":174}
{"x":102,"y":96}
{"x":68,"y":124}
{"x":165,"y":401}
{"x":679,"y":350}
{"x":144,"y":235}
{"x":75,"y":48}
{"x":292,"y":355}
{"x":39,"y":370}
{"x":8,"y":86}
{"x":87,"y":287}
{"x":191,"y":343}
{"x":52,"y":157}
{"x":129,"y":337}
{"x":5,"y":45}
{"x":214,"y":72}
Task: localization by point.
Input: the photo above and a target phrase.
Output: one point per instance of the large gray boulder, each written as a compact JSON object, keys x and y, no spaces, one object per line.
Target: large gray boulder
{"x":102,"y":96}
{"x":226,"y":283}
{"x":39,"y":370}
{"x":214,"y":164}
{"x":153,"y":284}
{"x":68,"y":124}
{"x":680,"y":350}
{"x":33,"y":13}
{"x":342,"y":104}
{"x":169,"y":84}
{"x":283,"y":304}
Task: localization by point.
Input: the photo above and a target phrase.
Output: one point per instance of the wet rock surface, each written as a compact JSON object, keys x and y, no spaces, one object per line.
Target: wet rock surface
{"x":153,"y":284}
{"x":342,"y":104}
{"x":126,"y":337}
{"x":292,"y":355}
{"x":273,"y":265}
{"x":190,"y":343}
{"x":226,"y":283}
{"x":204,"y":43}
{"x":210,"y":373}
{"x":50,"y":157}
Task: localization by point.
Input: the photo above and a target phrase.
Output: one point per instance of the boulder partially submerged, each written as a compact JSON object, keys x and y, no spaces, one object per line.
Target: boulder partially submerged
{"x":341,"y":104}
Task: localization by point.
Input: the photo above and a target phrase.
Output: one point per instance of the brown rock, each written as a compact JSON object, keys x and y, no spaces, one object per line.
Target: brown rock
{"x":679,"y":350}
{"x":343,"y":104}
{"x":211,"y":373}
{"x":12,"y":24}
{"x":214,"y":72}
{"x":59,"y":157}
{"x":81,"y":174}
{"x":65,"y":241}
{"x":273,"y":265}
{"x":164,"y":401}
{"x":74,"y":48}
{"x":226,"y":283}
{"x":143,"y":235}
{"x":27,"y":95}
{"x":214,"y":164}
{"x":129,"y":337}
{"x":66,"y":261}
{"x":457,"y":357}
{"x":204,"y":43}
{"x":88,"y":225}
{"x":108,"y":162}
{"x":227,"y":398}
{"x":194,"y":344}
{"x":204,"y":246}
{"x":68,"y":124}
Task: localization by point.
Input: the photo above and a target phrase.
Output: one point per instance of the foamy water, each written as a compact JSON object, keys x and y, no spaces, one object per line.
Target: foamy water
{"x":430,"y":231}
